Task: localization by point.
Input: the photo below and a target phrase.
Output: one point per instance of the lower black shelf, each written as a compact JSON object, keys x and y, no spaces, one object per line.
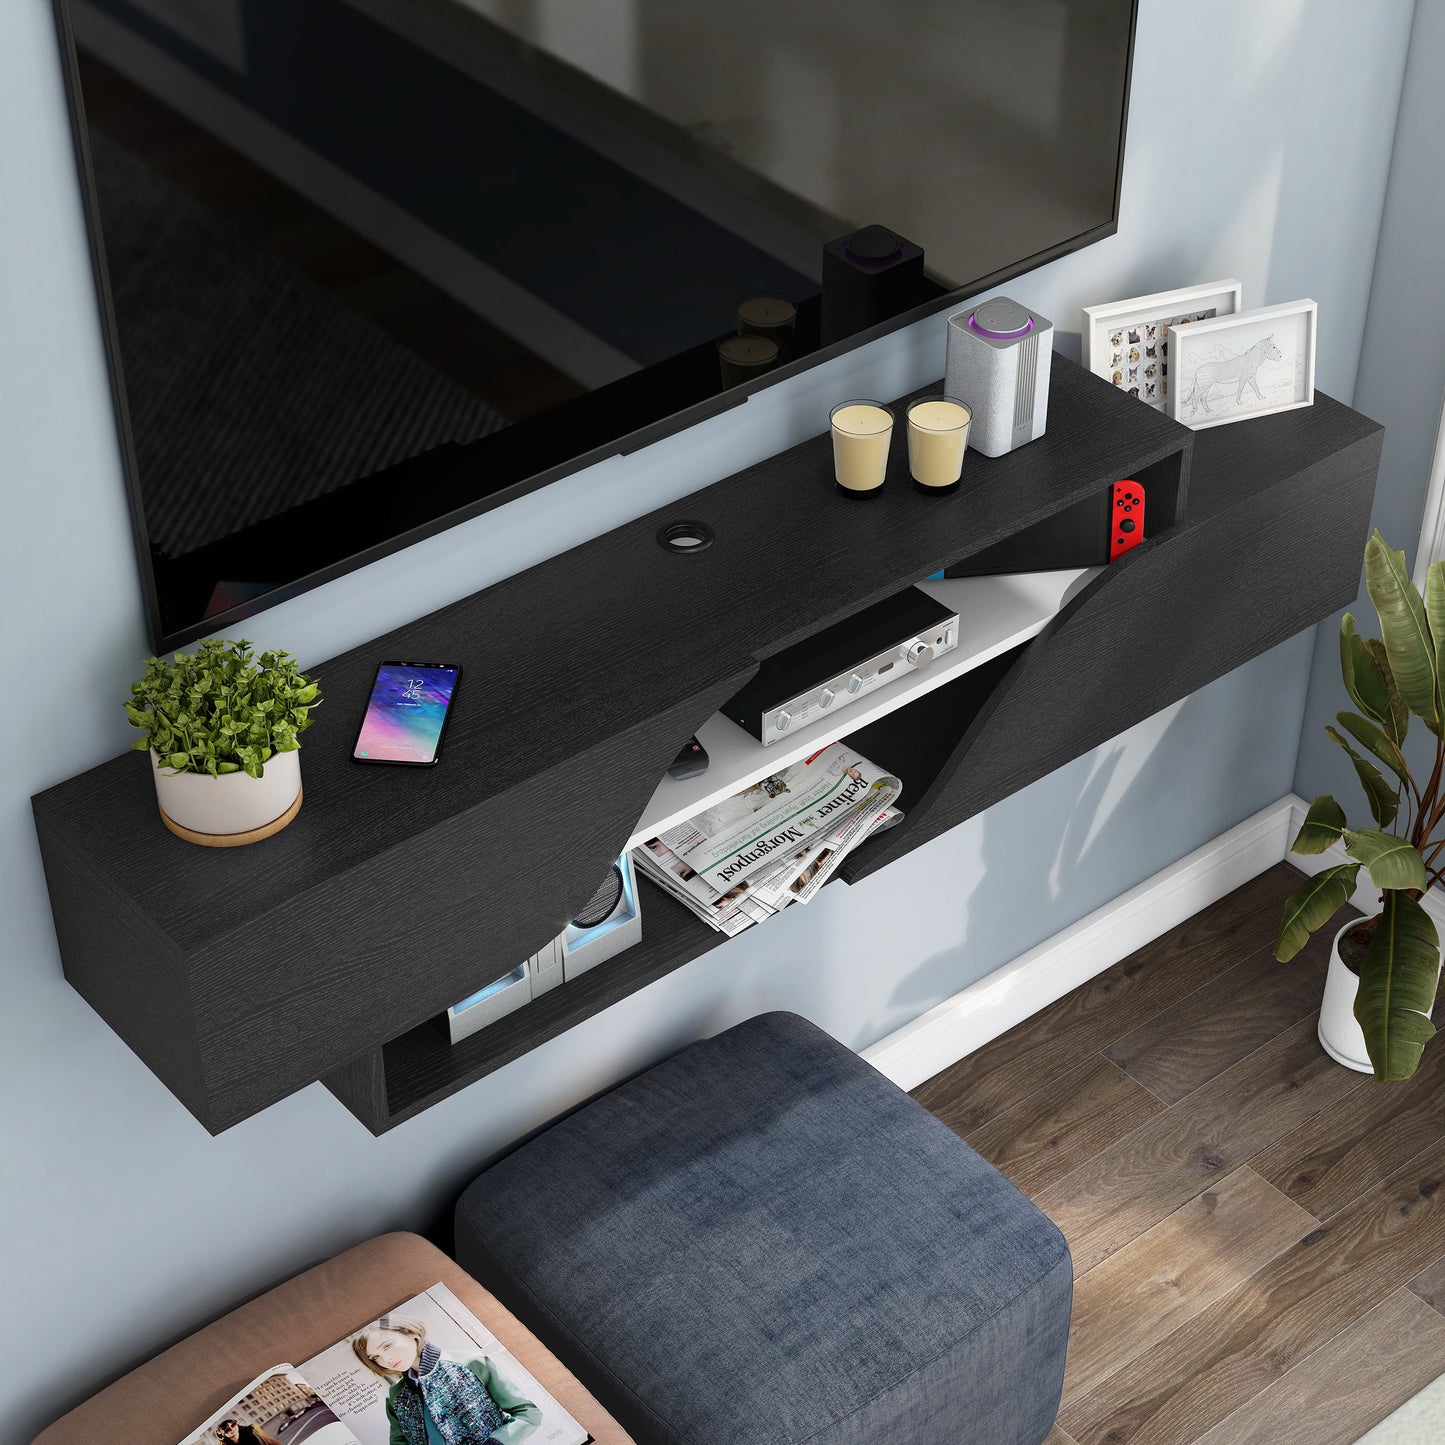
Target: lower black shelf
{"x":421,"y":1067}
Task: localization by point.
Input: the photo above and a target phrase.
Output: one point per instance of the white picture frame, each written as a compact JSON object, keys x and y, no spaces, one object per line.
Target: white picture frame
{"x":1235,"y":368}
{"x":1111,"y":359}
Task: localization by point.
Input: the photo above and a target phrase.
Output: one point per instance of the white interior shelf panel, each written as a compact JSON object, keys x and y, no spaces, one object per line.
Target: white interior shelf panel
{"x":994,"y":615}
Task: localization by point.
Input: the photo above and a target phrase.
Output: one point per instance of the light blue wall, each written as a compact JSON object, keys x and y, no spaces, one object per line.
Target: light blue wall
{"x":1401,"y":382}
{"x":123,"y":1223}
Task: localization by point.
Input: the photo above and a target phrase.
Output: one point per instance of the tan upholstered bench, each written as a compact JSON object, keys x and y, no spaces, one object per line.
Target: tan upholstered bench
{"x":159,"y":1403}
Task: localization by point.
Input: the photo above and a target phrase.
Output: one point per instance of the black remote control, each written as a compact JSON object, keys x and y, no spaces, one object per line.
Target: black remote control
{"x":691,"y":761}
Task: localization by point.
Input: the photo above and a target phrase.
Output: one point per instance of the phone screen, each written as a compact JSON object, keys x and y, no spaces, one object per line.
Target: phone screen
{"x":407,"y":713}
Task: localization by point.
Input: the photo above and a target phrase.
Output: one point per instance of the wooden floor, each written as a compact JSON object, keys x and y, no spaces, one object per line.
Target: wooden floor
{"x":1258,"y":1233}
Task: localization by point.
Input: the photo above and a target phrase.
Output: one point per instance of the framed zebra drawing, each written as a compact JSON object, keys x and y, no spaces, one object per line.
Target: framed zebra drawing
{"x":1233,"y":368}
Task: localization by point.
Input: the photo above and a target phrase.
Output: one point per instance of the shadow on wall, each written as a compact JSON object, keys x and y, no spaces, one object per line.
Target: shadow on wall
{"x":1040,"y":870}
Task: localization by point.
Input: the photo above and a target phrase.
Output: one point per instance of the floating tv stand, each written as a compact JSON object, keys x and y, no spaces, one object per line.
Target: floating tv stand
{"x":331,"y":950}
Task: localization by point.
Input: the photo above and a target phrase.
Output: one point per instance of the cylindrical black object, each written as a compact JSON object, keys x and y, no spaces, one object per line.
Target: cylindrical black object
{"x":868,"y":276}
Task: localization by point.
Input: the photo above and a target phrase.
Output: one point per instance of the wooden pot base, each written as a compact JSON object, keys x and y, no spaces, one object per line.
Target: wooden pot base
{"x":233,"y":840}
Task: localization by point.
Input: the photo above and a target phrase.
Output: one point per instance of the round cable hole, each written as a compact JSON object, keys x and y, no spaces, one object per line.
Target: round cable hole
{"x":684,"y":537}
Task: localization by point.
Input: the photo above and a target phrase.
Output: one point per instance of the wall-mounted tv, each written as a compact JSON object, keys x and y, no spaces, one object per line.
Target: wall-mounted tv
{"x":368,"y":268}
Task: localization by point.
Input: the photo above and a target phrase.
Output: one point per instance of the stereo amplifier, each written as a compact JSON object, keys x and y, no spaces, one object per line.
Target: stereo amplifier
{"x":829,"y":672}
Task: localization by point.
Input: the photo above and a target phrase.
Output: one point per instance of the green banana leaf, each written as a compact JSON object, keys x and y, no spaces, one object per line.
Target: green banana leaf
{"x":1399,"y":713}
{"x":1435,"y":616}
{"x":1383,"y":797}
{"x":1393,"y":863}
{"x":1324,"y":825}
{"x":1369,"y":736}
{"x":1408,"y":643}
{"x":1312,"y":905}
{"x":1398,"y":979}
{"x":1365,"y":680}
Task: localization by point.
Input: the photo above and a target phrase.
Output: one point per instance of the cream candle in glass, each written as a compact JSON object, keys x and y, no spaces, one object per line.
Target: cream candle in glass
{"x":937,"y":439}
{"x":861,"y":433}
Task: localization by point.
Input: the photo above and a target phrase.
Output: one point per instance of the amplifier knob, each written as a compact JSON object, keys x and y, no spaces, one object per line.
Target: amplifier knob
{"x":854,"y":683}
{"x":782,"y":720}
{"x":825,"y":698}
{"x":918,"y":654}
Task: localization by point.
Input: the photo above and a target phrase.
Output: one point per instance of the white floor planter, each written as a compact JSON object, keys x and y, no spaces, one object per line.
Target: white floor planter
{"x":1340,"y":1034}
{"x":233,"y":808}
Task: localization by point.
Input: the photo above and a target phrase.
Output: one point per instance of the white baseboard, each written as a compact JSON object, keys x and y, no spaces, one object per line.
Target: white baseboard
{"x":953,"y":1029}
{"x":959,"y":1025}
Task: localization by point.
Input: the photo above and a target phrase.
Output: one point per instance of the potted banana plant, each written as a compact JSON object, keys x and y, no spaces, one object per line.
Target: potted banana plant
{"x":1385,"y":970}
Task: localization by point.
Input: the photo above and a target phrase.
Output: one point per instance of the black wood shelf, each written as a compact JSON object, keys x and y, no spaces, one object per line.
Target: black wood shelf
{"x":422,"y":1067}
{"x":1268,"y":549}
{"x":240,"y":975}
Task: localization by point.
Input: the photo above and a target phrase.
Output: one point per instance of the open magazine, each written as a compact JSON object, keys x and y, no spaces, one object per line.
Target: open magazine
{"x":428,"y":1362}
{"x":774,"y":843}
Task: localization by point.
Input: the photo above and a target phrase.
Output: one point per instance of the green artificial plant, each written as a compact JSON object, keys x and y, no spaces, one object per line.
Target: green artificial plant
{"x":215,"y":711}
{"x":1387,"y":679}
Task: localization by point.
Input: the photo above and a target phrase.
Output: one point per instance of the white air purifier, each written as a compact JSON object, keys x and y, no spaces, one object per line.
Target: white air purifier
{"x":610,"y":921}
{"x":999,"y":357}
{"x":496,"y":1000}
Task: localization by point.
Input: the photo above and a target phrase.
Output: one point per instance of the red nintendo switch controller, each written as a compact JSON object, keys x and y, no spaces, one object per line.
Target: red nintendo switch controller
{"x":1126,"y":519}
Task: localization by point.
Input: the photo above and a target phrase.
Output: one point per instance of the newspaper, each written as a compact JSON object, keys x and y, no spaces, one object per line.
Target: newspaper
{"x":774,"y":843}
{"x":756,"y":897}
{"x":727,"y":915}
{"x":733,"y":839}
{"x":825,"y":864}
{"x":336,"y":1398}
{"x":794,"y":880}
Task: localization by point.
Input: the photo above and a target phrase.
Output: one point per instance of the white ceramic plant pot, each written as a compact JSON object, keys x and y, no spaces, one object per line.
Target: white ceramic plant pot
{"x":1340,"y":1033}
{"x":233,"y":805}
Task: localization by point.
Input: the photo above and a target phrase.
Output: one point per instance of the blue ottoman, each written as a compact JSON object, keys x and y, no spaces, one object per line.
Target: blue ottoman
{"x":763,"y":1240}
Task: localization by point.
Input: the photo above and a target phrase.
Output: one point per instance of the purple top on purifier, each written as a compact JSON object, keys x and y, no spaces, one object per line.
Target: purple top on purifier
{"x":1001,"y":319}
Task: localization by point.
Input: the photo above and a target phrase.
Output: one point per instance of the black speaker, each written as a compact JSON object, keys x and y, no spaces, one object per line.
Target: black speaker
{"x":599,"y":907}
{"x":869,"y":276}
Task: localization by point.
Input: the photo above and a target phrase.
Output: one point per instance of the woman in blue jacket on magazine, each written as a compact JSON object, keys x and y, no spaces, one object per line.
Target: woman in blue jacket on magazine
{"x":441,"y":1398}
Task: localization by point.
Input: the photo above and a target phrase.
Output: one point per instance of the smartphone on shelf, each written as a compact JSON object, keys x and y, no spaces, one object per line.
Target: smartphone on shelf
{"x":406,"y":715}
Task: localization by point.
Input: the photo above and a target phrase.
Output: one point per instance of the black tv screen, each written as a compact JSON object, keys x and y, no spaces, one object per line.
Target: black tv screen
{"x":371,"y":267}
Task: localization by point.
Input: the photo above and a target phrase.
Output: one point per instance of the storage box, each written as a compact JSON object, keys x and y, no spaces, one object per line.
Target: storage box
{"x":495,"y":1001}
{"x":611,"y":922}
